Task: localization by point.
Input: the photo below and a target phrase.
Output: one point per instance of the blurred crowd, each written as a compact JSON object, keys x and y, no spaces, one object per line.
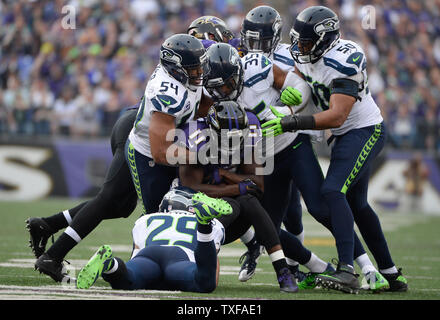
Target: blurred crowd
{"x":55,"y":79}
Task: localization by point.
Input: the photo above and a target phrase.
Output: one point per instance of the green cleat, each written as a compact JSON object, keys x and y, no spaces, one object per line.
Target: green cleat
{"x":97,"y":264}
{"x":207,"y":208}
{"x":309,"y":281}
{"x":397,"y":281}
{"x":375,"y":282}
{"x":343,"y":279}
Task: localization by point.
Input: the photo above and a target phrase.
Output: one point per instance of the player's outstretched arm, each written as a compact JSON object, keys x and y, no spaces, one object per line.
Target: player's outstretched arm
{"x":340,"y":107}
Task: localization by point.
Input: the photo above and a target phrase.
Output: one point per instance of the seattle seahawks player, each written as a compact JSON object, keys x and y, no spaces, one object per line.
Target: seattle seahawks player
{"x":172,"y":97}
{"x":175,"y":248}
{"x":335,"y":69}
{"x":223,"y":84}
{"x":261,"y":31}
{"x":225,"y":142}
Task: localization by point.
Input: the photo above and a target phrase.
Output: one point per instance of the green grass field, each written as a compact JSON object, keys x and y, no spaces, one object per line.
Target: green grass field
{"x":413,"y":241}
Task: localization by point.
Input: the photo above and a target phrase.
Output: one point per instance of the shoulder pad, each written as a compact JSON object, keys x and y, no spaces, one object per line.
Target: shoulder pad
{"x":346,"y":57}
{"x":282,"y":55}
{"x":257,"y":67}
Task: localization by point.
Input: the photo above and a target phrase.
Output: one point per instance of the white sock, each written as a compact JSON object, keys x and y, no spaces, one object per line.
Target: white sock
{"x":247,"y":236}
{"x":316,"y":265}
{"x":67,"y":216}
{"x":365,"y":264}
{"x":391,"y":270}
{"x":277,"y":255}
{"x":72,"y":233}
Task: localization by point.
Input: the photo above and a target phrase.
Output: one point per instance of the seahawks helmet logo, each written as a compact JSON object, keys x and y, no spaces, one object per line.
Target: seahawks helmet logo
{"x":277,"y":25}
{"x":327,"y":25}
{"x":169,"y":55}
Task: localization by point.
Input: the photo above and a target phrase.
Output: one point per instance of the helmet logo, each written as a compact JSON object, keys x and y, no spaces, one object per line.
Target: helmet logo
{"x":212,"y":116}
{"x":276,"y":25}
{"x":327,"y":25}
{"x":233,"y":57}
{"x":169,"y":55}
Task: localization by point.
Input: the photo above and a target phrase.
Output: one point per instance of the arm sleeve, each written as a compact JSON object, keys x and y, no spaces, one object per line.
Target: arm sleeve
{"x":295,"y":81}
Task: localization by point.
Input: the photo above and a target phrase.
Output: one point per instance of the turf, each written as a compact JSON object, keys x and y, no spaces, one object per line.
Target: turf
{"x":412,"y":238}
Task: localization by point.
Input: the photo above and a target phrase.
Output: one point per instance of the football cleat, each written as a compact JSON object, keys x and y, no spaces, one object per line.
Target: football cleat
{"x":39,"y":232}
{"x":287,"y":281}
{"x":97,"y":264}
{"x":309,"y":282}
{"x":375,"y":282}
{"x":207,"y":208}
{"x":343,"y":279}
{"x":51,"y":267}
{"x":397,"y":281}
{"x":298,"y":274}
{"x":249,"y":265}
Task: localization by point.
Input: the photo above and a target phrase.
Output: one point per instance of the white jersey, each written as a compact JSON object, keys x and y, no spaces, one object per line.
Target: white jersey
{"x":163,"y":94}
{"x":259,"y":94}
{"x":282,"y":58}
{"x":345,"y":60}
{"x":174,"y":228}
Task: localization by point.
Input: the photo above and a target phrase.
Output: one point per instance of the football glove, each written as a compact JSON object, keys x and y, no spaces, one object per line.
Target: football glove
{"x":285,"y":123}
{"x":291,"y":97}
{"x":247,"y":186}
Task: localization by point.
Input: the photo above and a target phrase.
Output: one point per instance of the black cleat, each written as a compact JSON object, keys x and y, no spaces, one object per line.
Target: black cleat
{"x":298,"y":274}
{"x":287,"y":281}
{"x":397,"y":281}
{"x":249,"y":265}
{"x":39,"y":232}
{"x":343,"y":279}
{"x":51,"y":267}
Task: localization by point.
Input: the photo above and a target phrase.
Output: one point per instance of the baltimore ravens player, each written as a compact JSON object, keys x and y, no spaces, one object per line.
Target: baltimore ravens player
{"x":223,"y":83}
{"x":175,"y":248}
{"x":335,"y":69}
{"x":225,"y":142}
{"x":212,"y":29}
{"x":172,"y":97}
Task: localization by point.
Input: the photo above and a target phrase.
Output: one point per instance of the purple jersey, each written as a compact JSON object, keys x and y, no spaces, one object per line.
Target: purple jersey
{"x":197,"y":137}
{"x":233,"y":42}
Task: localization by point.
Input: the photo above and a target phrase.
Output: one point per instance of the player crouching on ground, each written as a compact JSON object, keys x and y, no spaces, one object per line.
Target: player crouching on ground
{"x":185,"y":257}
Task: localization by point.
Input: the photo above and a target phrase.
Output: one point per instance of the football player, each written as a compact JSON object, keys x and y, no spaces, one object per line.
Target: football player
{"x":212,"y":29}
{"x":224,"y":83}
{"x":335,"y":70}
{"x":172,"y":97}
{"x":175,"y":248}
{"x":225,"y":142}
{"x":261,"y":31}
{"x":117,"y":198}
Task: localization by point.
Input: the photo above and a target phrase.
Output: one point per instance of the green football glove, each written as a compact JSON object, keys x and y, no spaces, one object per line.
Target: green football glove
{"x":291,"y":97}
{"x":273,"y":127}
{"x":284,"y":123}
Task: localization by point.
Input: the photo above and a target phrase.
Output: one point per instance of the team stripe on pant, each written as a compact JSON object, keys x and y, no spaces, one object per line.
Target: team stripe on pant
{"x":362,"y":157}
{"x":134,"y":173}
